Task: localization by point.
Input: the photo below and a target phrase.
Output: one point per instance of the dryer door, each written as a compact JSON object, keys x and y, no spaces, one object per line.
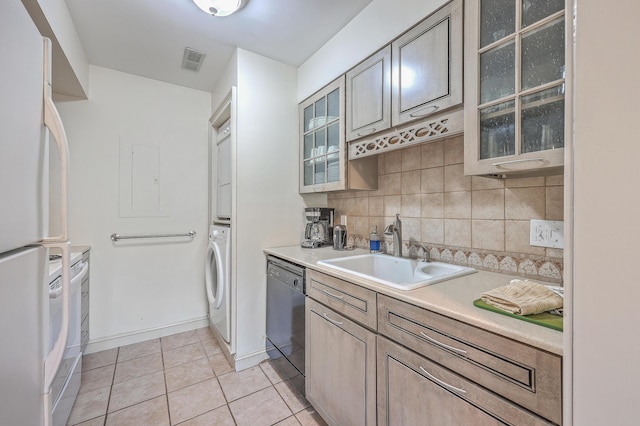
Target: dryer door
{"x":213,"y":276}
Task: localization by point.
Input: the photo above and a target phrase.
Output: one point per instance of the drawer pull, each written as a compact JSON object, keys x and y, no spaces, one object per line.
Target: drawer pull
{"x":367,"y":132}
{"x":337,"y":296}
{"x":424,"y":111}
{"x":451,"y":348}
{"x":445,"y":384}
{"x":524,"y":160}
{"x":333,"y":321}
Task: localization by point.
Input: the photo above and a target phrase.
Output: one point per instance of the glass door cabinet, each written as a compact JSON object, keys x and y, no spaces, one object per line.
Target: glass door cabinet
{"x":324,"y":165}
{"x":322,"y":128}
{"x":515,"y":87}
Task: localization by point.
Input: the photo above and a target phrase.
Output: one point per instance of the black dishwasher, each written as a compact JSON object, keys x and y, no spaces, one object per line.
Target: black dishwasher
{"x":285,"y":311}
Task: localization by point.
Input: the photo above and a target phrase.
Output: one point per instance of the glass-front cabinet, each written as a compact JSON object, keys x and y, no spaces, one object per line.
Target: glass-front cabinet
{"x":515,"y":69}
{"x":323,"y":154}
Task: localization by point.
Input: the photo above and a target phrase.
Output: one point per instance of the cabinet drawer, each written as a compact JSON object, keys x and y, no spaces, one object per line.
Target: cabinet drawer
{"x":521,"y":373}
{"x":353,"y":301}
{"x":414,"y":390}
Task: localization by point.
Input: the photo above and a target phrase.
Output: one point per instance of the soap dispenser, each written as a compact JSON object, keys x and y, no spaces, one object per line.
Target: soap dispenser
{"x":374,"y":240}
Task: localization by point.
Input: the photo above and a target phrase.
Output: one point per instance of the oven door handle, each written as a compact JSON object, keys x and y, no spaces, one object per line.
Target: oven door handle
{"x":74,"y":281}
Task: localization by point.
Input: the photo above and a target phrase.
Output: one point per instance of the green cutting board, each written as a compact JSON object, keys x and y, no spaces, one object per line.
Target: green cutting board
{"x":544,"y":319}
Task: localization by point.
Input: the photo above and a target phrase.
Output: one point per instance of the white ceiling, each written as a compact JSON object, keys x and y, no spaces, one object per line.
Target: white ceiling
{"x":148,"y":37}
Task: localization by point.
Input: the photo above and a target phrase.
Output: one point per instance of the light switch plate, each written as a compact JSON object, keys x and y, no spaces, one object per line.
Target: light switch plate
{"x":547,"y":233}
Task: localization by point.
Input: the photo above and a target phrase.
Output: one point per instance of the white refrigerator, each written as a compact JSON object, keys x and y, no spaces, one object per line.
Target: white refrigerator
{"x":28,"y":124}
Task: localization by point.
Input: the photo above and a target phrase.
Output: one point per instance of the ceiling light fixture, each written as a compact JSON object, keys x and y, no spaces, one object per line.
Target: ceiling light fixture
{"x":219,"y":7}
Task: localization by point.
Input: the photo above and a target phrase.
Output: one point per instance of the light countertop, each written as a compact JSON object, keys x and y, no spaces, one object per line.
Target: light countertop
{"x":453,"y":298}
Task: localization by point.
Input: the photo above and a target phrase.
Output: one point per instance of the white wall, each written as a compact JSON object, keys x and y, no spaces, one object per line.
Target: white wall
{"x":228,"y":78}
{"x":606,"y":347}
{"x":268,"y":210}
{"x":70,"y":64}
{"x":139,"y":286}
{"x":380,"y":22}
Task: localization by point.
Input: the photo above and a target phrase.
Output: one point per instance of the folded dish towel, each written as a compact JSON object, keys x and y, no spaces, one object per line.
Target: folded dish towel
{"x":523,"y":298}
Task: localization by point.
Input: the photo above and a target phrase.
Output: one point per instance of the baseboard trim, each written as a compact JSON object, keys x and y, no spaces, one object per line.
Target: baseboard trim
{"x":238,"y":363}
{"x":250,"y":360}
{"x":123,"y":339}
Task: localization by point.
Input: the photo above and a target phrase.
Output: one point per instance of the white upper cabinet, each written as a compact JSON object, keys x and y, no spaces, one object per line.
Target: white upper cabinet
{"x":515,"y":87}
{"x":369,"y":95}
{"x":427,"y":66}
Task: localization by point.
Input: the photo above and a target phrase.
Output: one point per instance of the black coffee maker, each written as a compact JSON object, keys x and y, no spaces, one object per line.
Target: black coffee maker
{"x":318,"y":230}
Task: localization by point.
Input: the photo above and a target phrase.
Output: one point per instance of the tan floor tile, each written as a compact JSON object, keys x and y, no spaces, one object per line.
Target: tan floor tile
{"x":284,"y":368}
{"x":310,"y":417}
{"x":194,"y":400}
{"x":271,"y":371}
{"x":99,"y":359}
{"x":89,"y":405}
{"x":188,"y":374}
{"x":138,"y":367}
{"x":179,"y":339}
{"x":220,"y":364}
{"x":243,"y":383}
{"x":205,"y":333}
{"x":211,"y":346}
{"x":262,"y":408}
{"x":218,"y":417}
{"x":183,"y":354}
{"x":138,"y":350}
{"x":153,"y":412}
{"x":136,"y":390}
{"x":290,"y":391}
{"x":289,"y":421}
{"x":98,"y":421}
{"x":97,"y":378}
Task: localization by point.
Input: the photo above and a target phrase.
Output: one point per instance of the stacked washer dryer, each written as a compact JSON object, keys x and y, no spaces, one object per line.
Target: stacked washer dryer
{"x":218,"y":264}
{"x":218,"y":279}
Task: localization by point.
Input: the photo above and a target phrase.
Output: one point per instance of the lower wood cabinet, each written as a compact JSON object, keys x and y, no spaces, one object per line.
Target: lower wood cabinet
{"x":415,"y":391}
{"x":340,"y":367}
{"x":525,"y":375}
{"x":406,"y":365}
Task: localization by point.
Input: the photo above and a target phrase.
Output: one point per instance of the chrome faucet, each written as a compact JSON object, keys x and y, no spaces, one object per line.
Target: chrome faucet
{"x":414,"y":250}
{"x":395,"y":229}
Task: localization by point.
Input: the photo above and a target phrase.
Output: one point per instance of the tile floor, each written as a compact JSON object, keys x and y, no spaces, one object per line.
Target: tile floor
{"x":184,"y":379}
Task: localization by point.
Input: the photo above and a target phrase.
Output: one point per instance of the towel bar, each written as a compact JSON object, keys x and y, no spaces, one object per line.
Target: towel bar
{"x":115,"y":237}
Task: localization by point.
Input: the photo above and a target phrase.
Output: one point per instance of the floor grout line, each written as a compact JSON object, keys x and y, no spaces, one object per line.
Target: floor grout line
{"x":274,"y":372}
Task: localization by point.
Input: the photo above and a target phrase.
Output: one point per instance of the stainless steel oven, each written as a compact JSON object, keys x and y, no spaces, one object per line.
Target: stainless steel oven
{"x":285,"y":311}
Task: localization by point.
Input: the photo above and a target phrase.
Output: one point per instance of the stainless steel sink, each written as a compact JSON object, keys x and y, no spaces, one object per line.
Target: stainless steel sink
{"x":397,"y":272}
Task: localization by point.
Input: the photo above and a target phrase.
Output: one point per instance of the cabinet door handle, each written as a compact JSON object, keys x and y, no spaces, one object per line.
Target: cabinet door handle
{"x":337,"y":296}
{"x":424,"y":111}
{"x":333,"y":321}
{"x":522,"y":160}
{"x":445,"y":384}
{"x":367,"y":132}
{"x":451,"y":348}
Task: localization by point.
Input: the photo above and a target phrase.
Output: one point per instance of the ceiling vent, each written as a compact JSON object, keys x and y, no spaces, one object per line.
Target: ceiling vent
{"x":192,"y":59}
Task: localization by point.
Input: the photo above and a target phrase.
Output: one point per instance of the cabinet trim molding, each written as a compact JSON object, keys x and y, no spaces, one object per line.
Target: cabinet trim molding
{"x":430,"y":129}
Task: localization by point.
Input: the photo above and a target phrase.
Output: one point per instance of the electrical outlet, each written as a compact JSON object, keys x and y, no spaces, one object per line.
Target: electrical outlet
{"x":547,"y":233}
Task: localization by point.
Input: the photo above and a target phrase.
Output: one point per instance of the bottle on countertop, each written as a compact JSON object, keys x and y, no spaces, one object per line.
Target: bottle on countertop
{"x":374,"y":240}
{"x":339,"y":237}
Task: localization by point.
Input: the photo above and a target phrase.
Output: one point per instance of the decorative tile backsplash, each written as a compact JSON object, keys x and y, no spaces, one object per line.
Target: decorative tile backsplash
{"x":469,"y":220}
